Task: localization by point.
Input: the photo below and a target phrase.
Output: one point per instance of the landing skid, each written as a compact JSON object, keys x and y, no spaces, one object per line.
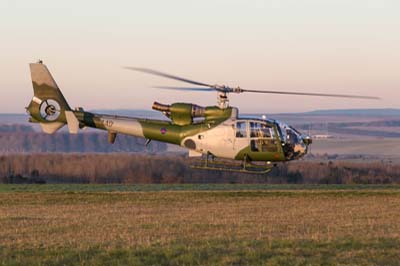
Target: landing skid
{"x":244,"y":167}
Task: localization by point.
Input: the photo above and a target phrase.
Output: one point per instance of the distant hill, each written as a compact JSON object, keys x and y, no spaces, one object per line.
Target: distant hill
{"x":384,"y":112}
{"x":339,"y":122}
{"x":21,"y":138}
{"x":357,"y":112}
{"x":14,"y":119}
{"x":23,"y":118}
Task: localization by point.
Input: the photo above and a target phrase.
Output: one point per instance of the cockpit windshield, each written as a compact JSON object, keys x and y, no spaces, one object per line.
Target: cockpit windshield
{"x":291,"y":136}
{"x":292,"y":141}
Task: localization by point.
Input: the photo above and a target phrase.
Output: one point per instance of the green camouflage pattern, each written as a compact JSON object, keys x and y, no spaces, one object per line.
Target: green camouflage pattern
{"x":214,"y":134}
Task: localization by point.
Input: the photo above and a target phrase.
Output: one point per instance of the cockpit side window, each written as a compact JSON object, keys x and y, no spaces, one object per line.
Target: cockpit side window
{"x":241,"y":130}
{"x":260,"y":130}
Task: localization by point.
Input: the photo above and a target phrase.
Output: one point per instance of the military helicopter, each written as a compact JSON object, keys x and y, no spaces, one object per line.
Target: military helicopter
{"x":224,"y":140}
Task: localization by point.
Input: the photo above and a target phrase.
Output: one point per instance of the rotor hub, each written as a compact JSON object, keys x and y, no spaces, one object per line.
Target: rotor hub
{"x":222,"y":100}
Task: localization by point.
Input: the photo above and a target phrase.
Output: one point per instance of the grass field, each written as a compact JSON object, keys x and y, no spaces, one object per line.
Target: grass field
{"x":199,"y":225}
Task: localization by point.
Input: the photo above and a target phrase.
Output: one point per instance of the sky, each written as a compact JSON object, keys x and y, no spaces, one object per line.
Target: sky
{"x":323,"y":46}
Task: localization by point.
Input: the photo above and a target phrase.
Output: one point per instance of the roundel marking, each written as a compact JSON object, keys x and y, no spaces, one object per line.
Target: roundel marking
{"x":50,"y":110}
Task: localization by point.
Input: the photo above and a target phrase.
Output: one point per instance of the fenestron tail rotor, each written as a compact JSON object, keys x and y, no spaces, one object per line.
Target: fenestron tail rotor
{"x":49,"y":110}
{"x":223,"y":90}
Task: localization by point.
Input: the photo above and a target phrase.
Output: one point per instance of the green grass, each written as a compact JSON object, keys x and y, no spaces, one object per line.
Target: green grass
{"x":70,"y":224}
{"x":216,"y":252}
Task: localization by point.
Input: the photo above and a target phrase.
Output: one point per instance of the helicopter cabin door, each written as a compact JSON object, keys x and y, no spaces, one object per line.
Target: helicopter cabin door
{"x":262,"y":139}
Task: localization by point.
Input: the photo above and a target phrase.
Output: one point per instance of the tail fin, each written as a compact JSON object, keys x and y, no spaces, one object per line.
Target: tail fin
{"x":48,"y":105}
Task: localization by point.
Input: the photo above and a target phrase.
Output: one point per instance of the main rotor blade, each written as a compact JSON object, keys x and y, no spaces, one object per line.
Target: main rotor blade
{"x":314,"y":94}
{"x":234,"y":90}
{"x":165,"y":75}
{"x":183,"y":88}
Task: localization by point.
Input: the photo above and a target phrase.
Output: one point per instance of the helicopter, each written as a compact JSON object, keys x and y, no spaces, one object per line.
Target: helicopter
{"x":223,"y":140}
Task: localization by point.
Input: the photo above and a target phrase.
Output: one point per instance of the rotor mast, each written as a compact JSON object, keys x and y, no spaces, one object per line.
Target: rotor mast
{"x":222,"y":100}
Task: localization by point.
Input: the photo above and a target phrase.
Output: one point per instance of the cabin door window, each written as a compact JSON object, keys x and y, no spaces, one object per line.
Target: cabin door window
{"x":262,"y":138}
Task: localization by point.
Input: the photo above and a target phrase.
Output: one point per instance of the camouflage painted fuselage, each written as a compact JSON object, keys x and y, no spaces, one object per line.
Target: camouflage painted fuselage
{"x":219,"y":132}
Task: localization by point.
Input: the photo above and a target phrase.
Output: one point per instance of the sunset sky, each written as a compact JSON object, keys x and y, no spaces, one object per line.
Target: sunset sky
{"x":327,"y":46}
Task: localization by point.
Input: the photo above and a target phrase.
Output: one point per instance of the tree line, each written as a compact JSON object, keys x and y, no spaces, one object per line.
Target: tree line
{"x":21,"y":138}
{"x":134,"y":168}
